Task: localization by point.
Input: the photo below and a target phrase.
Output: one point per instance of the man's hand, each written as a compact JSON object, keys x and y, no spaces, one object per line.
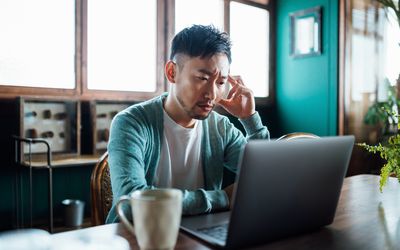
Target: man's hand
{"x":240,"y":100}
{"x":229,"y":192}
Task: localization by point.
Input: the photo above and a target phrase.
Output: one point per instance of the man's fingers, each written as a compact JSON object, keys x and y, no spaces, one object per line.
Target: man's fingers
{"x":226,"y":104}
{"x":240,"y":80}
{"x":231,"y":78}
{"x":232,"y":91}
{"x":238,"y":91}
{"x":232,"y":81}
{"x":236,"y":80}
{"x":223,"y":103}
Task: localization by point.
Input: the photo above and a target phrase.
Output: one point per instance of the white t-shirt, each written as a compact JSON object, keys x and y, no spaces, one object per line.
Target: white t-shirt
{"x":180,"y":163}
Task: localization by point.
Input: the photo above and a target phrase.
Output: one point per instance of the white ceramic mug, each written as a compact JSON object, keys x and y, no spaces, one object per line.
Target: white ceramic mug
{"x":156,"y":217}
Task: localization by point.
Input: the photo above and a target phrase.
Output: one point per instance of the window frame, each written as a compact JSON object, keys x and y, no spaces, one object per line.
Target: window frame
{"x":165,"y":33}
{"x":126,"y":95}
{"x":10,"y":91}
{"x":270,"y":7}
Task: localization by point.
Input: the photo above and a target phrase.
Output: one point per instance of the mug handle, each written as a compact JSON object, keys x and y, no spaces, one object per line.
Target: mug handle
{"x":120,"y":212}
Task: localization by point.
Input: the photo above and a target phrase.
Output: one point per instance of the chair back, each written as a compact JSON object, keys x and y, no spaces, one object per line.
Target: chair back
{"x":297,"y":135}
{"x":100,"y":191}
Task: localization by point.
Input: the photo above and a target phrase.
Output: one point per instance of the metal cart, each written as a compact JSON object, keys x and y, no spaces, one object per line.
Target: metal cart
{"x":21,"y":162}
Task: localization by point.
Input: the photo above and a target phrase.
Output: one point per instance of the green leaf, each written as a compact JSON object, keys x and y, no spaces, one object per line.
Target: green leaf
{"x":390,"y":152}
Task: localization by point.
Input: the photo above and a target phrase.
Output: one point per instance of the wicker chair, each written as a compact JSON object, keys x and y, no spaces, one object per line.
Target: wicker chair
{"x":100,"y":190}
{"x":297,"y":135}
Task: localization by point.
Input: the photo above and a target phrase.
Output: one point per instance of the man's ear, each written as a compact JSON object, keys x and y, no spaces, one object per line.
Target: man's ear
{"x":170,"y":71}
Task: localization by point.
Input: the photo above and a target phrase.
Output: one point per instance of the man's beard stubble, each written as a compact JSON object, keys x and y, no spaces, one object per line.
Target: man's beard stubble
{"x":191,"y":112}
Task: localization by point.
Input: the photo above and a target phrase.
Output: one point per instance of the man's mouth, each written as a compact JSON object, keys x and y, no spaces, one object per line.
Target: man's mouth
{"x":205,"y":107}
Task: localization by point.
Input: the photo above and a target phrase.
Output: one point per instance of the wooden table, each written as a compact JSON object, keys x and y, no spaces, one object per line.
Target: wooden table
{"x":365,"y":219}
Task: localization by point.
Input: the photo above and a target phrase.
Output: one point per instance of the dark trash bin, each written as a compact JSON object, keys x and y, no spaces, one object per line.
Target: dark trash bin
{"x":73,"y":212}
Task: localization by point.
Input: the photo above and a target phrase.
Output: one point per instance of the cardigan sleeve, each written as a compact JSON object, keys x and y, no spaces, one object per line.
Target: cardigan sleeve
{"x":254,"y":127}
{"x":236,"y":140}
{"x":126,"y":150}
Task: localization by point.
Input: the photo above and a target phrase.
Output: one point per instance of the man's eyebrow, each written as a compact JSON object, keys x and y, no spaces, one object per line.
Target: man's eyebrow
{"x":207,"y":72}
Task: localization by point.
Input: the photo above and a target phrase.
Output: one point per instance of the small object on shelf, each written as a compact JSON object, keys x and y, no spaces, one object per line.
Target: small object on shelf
{"x":30,"y":114}
{"x":103,"y":134}
{"x":47,"y":134}
{"x":96,"y":127}
{"x":103,"y":115}
{"x":60,"y":116}
{"x":31,"y":133}
{"x":56,"y":121}
{"x":46,"y":114}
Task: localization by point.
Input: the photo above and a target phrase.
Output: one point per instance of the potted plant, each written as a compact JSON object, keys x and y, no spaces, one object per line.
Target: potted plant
{"x":389,"y":151}
{"x":383,"y":113}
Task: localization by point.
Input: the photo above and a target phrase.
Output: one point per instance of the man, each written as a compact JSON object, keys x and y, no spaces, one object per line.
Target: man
{"x":177,"y":140}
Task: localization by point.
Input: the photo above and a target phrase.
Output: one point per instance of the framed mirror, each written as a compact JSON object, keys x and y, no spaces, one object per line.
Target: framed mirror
{"x":305,"y":32}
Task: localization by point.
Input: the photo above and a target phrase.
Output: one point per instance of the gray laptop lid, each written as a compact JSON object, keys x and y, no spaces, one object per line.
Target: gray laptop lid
{"x":284,"y":188}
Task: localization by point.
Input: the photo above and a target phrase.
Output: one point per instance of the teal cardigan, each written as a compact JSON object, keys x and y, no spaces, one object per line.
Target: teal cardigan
{"x":134,"y":152}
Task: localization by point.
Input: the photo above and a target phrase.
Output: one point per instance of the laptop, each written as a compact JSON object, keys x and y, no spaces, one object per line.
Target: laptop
{"x":284,"y":188}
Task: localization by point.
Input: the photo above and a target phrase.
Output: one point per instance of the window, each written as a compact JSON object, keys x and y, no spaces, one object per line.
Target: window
{"x":391,"y":47}
{"x":205,"y":12}
{"x":122,"y":45}
{"x":116,"y":49}
{"x":250,"y":50}
{"x":249,"y":35}
{"x":37,"y":45}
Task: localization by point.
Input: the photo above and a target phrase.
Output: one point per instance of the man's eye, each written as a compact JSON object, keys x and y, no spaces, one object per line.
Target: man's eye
{"x":202,"y":78}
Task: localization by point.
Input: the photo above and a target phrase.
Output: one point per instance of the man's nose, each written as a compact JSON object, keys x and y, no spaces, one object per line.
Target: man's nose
{"x":211,"y":91}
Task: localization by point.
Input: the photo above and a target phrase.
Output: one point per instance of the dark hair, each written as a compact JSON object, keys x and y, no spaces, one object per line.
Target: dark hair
{"x":201,"y":41}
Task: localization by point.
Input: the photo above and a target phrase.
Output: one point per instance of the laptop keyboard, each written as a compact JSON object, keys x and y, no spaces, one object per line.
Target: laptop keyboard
{"x":219,"y":232}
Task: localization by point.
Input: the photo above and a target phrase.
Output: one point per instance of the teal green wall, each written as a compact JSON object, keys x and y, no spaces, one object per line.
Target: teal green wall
{"x":307,"y":88}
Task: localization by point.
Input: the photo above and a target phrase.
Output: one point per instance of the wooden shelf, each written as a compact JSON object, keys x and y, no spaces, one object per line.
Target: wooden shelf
{"x":70,"y":161}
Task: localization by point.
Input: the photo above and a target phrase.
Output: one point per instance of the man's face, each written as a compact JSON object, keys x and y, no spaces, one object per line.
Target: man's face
{"x":200,"y":84}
